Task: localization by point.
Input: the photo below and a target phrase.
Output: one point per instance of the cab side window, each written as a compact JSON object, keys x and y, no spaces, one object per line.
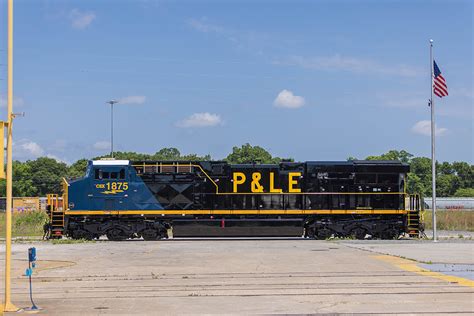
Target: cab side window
{"x":98,"y":174}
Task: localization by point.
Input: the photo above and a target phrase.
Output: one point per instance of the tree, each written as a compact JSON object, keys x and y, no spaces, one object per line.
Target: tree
{"x":194,"y":157}
{"x":250,"y":154}
{"x":444,"y":168}
{"x":127,"y":155}
{"x":421,"y":167}
{"x":22,"y":183}
{"x":414,"y":184}
{"x":46,"y":174}
{"x":77,"y":169}
{"x":464,"y":192}
{"x":446,"y":185}
{"x":170,"y":154}
{"x":465,"y":172}
{"x":402,"y":156}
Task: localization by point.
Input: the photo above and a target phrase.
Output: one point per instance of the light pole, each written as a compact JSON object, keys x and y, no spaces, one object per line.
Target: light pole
{"x":112,"y":102}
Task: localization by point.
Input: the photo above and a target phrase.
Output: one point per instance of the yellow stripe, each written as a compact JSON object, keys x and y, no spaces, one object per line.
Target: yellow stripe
{"x":311,"y":193}
{"x":412,"y":266}
{"x":231,"y":212}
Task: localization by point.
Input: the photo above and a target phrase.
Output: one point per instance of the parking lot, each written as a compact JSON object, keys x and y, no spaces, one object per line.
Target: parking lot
{"x":247,"y":276}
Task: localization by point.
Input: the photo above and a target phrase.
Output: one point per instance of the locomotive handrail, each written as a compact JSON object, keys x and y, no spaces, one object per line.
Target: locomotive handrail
{"x":65,"y":194}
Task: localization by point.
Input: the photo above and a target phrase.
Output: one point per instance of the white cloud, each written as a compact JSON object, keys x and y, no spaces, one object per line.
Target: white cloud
{"x":352,"y":64}
{"x":33,"y":148}
{"x":81,"y":20}
{"x":424,"y":128}
{"x":133,"y":99}
{"x":58,"y":159}
{"x":102,"y":145}
{"x":286,"y":99}
{"x":27,"y":149}
{"x":200,"y":120}
{"x":17,"y":101}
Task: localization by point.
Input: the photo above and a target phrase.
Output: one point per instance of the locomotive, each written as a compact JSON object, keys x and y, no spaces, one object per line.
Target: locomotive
{"x":159,"y":199}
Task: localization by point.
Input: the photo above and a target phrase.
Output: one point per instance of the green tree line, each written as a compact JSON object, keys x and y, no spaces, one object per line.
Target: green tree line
{"x":44,"y":175}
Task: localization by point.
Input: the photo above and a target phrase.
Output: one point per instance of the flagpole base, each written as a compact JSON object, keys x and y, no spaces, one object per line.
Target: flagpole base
{"x":10,"y":307}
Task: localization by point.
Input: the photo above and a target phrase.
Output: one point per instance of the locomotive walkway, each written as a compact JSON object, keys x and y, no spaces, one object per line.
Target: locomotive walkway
{"x":247,"y":276}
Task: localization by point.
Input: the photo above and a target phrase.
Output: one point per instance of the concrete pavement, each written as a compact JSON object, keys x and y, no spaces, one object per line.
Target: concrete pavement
{"x":240,"y":276}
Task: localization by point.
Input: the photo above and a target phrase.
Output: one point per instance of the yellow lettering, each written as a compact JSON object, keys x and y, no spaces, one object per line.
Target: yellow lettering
{"x":255,"y":185}
{"x":239,"y":178}
{"x":292,"y":183}
{"x":272,"y":184}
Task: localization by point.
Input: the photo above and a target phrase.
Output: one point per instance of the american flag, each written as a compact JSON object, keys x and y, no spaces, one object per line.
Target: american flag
{"x":439,"y":83}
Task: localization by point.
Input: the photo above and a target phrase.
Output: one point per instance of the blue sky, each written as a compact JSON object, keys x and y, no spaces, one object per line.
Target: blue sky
{"x":312,"y":80}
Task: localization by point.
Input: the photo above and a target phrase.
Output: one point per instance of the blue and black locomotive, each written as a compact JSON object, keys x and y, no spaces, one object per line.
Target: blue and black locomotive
{"x":154,"y":199}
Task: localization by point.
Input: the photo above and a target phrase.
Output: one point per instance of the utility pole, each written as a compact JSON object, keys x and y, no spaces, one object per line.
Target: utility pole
{"x":112,"y":102}
{"x":8,"y":305}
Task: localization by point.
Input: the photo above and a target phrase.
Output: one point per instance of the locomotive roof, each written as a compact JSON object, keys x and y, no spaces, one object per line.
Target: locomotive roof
{"x":112,"y":162}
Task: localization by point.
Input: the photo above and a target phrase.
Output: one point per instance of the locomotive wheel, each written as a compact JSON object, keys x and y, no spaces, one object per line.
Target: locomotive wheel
{"x":358,"y":233}
{"x":150,"y":234}
{"x":81,"y":234}
{"x":323,"y":233}
{"x":310,"y":232}
{"x":389,"y":234}
{"x":116,"y":234}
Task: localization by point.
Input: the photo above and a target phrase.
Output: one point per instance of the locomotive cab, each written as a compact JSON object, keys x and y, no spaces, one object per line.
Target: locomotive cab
{"x":110,"y":180}
{"x":104,"y":187}
{"x":110,"y":185}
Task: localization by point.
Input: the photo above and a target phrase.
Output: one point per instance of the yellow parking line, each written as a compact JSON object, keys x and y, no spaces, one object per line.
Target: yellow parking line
{"x":412,"y":266}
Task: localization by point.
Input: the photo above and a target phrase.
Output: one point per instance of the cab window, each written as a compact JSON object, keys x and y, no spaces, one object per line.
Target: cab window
{"x":98,"y":174}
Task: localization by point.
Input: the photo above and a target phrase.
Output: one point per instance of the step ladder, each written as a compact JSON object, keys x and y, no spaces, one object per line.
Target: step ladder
{"x":415,"y":226}
{"x":55,"y":211}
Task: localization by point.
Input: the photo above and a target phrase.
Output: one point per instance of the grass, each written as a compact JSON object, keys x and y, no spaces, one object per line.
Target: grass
{"x":451,"y":220}
{"x":25,"y":224}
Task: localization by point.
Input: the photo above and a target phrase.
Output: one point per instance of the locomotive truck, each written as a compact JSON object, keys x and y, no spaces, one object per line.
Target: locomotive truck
{"x":316,"y":199}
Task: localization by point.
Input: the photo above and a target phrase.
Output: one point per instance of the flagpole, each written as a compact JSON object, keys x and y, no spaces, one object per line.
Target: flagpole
{"x":433,"y":159}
